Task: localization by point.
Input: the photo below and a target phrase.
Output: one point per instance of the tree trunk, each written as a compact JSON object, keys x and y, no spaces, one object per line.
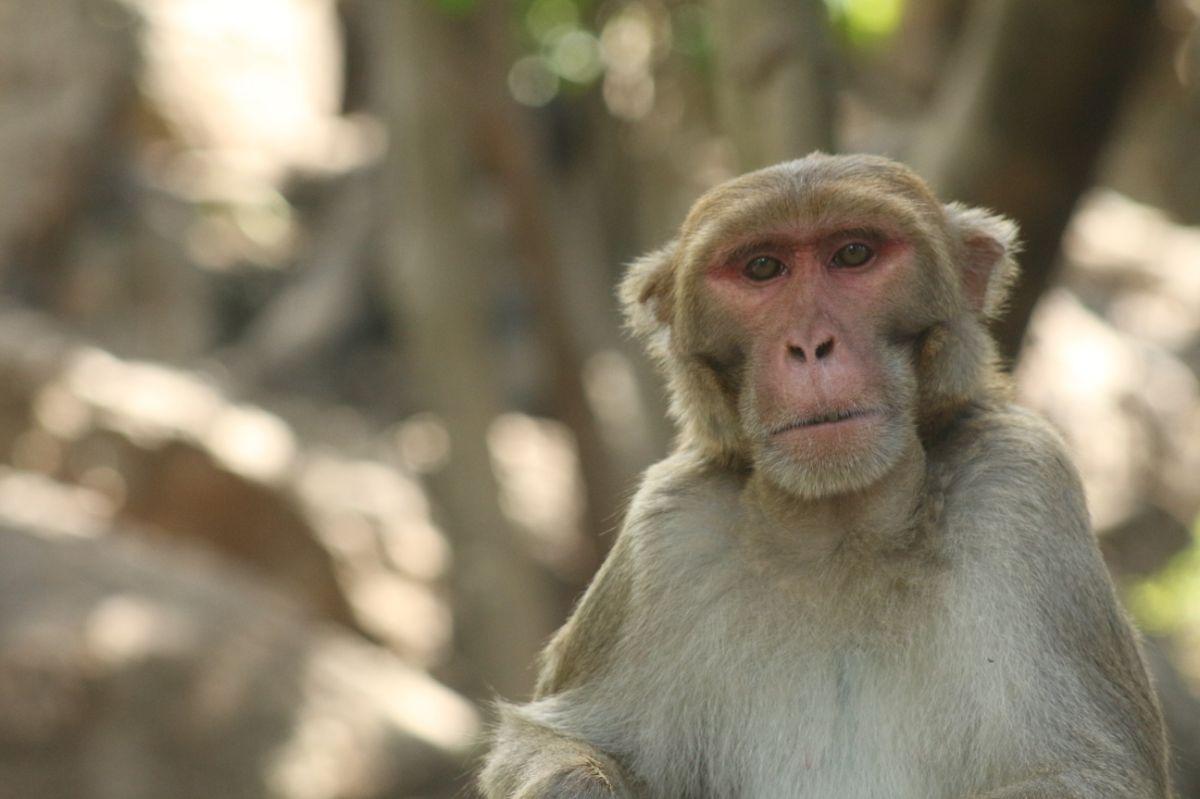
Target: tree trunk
{"x":437,"y":288}
{"x":508,"y":145}
{"x":1019,"y":125}
{"x":775,"y":78}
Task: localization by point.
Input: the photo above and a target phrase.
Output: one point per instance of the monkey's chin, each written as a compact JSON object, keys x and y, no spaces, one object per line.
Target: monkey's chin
{"x":837,"y":457}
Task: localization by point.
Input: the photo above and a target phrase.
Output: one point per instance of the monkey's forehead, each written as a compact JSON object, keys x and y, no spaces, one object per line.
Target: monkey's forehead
{"x":813,"y":193}
{"x":817,"y":169}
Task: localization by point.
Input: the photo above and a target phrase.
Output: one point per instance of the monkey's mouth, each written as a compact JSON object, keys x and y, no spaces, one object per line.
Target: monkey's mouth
{"x":827,"y":418}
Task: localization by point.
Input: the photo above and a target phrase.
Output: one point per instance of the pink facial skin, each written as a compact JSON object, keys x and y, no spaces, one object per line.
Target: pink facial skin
{"x":813,"y":328}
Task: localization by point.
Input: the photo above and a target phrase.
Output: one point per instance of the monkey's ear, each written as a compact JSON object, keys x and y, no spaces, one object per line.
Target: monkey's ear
{"x":647,"y":293}
{"x":988,"y":247}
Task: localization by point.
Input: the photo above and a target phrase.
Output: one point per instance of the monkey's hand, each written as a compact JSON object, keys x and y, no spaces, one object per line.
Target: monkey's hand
{"x":530,"y":761}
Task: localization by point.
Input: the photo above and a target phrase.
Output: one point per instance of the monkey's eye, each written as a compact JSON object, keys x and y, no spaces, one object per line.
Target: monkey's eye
{"x":763,"y":268}
{"x":854,"y":254}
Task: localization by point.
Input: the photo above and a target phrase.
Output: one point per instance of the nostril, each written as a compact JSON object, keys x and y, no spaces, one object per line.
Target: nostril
{"x":797,"y":353}
{"x":824,"y":348}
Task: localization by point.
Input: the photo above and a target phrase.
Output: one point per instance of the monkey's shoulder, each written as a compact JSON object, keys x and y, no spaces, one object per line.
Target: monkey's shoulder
{"x":998,"y":434}
{"x":1008,"y":485}
{"x":682,"y":486}
{"x":1005,"y":450}
{"x":667,"y":535}
{"x":682,"y":512}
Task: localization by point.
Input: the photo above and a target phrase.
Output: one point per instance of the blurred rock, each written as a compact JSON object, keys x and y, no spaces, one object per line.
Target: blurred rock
{"x":68,"y":68}
{"x":1129,"y":409}
{"x":144,"y":151}
{"x":138,"y":671}
{"x":1130,"y":413}
{"x":1141,"y":544}
{"x":248,"y":91}
{"x":123,"y":278}
{"x":1111,"y":361}
{"x":1137,"y":268}
{"x":172,"y":456}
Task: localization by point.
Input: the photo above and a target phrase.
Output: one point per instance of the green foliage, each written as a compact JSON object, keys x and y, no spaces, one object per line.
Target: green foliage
{"x":568,"y":46}
{"x":692,"y":37}
{"x":546,"y":19}
{"x":562,"y":51}
{"x":457,"y":8}
{"x":1170,"y":600}
{"x":865,"y":23}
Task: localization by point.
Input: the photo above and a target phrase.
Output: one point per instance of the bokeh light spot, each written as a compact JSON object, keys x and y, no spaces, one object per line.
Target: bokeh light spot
{"x":547,"y":19}
{"x":576,"y":57}
{"x":532,"y":82}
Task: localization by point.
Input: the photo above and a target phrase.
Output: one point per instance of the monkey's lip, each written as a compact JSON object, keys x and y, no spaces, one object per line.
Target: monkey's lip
{"x":827,"y":418}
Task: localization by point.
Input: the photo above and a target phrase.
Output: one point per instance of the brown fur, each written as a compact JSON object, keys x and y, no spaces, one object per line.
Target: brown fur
{"x":944,"y":629}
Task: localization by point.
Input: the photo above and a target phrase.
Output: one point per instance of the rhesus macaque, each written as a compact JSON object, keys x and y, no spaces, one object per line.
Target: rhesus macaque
{"x":863,"y":572}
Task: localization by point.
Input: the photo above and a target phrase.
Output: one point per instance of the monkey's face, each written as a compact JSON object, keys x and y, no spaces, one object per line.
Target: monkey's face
{"x":815,"y":315}
{"x":828,"y":382}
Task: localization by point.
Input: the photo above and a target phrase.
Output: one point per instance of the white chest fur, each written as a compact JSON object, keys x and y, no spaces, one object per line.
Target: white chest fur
{"x":861,"y":712}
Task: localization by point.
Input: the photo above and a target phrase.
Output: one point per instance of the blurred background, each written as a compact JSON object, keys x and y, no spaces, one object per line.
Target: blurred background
{"x":315,"y":410}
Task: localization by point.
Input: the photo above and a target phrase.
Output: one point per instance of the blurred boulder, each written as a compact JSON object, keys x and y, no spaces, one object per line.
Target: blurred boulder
{"x":131,"y":670}
{"x":142,"y":434}
{"x":1111,"y":361}
{"x":1130,"y":412}
{"x":1138,"y":268}
{"x":174,"y":457}
{"x":68,"y":68}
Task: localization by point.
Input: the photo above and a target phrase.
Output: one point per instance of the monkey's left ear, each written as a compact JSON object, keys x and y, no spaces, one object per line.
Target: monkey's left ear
{"x":647,"y":295}
{"x":988,"y":247}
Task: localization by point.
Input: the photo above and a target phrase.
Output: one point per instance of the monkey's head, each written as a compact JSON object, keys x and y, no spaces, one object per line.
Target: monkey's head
{"x":819,"y":317}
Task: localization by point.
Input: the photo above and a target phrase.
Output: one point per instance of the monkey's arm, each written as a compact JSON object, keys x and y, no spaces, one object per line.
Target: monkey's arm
{"x":1100,"y":734}
{"x":531,"y":760}
{"x":1094,"y":727}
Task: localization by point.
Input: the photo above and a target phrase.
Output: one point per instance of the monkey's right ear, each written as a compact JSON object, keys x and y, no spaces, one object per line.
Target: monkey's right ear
{"x":989,"y":246}
{"x":647,"y":294}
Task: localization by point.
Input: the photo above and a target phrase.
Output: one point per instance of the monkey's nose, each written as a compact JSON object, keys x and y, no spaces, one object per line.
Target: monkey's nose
{"x":821,"y":351}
